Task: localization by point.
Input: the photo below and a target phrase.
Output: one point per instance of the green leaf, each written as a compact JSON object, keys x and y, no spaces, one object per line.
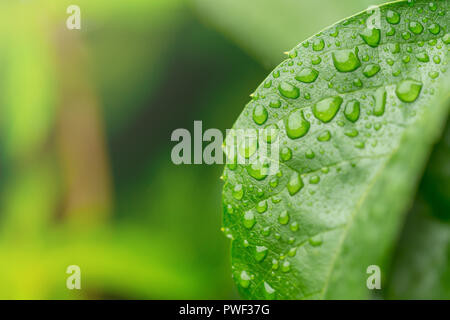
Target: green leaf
{"x":421,"y":268}
{"x":352,"y":147}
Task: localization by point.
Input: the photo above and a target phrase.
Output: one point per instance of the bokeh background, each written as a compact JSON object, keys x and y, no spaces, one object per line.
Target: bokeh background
{"x":85,"y":124}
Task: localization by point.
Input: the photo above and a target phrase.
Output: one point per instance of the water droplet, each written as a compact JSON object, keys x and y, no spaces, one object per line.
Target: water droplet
{"x":307,"y":75}
{"x":394,"y":48}
{"x":357,"y":82}
{"x":261,"y":207}
{"x":284,"y":217}
{"x":432,"y":6}
{"x":436,"y":59}
{"x":408,"y":90}
{"x":352,"y":110}
{"x":371,"y":37}
{"x":249,"y":220}
{"x":314,"y":179}
{"x":406,"y":59}
{"x":260,"y":114}
{"x":244,"y":279}
{"x":275,"y":104}
{"x":346,"y":60}
{"x":446,"y":38}
{"x":370,"y":70}
{"x":238,"y":192}
{"x":351,"y":133}
{"x":380,"y":101}
{"x":275,"y":264}
{"x":406,"y":35}
{"x":274,"y":182}
{"x":296,"y":125}
{"x":270,"y":292}
{"x":434,"y":28}
{"x":415,"y":27}
{"x":292,"y":252}
{"x":316,"y":240}
{"x":324,"y":136}
{"x":318,"y":45}
{"x":433,"y":74}
{"x":294,"y":226}
{"x":230,"y":209}
{"x":392,"y":17}
{"x":288,"y":90}
{"x":326,"y":109}
{"x":422,"y":57}
{"x":310,"y":154}
{"x":295,"y":184}
{"x":260,"y":253}
{"x":286,"y":266}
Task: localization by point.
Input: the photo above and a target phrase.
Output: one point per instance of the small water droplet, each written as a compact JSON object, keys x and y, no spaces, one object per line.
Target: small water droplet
{"x":380,"y":101}
{"x":249,"y":220}
{"x":314,"y":179}
{"x":294,"y":226}
{"x":238,"y":192}
{"x":295,"y":184}
{"x":270,"y":292}
{"x":292,"y":252}
{"x":318,"y":45}
{"x":260,"y":253}
{"x":326,"y":109}
{"x":422,"y":57}
{"x":370,"y":70}
{"x":392,"y":17}
{"x":352,"y":110}
{"x":351,"y":133}
{"x":286,"y":266}
{"x":260,"y":114}
{"x":316,"y":240}
{"x":284,"y":217}
{"x":434,"y":28}
{"x":415,"y":27}
{"x":244,"y":279}
{"x":324,"y":136}
{"x":261,"y":207}
{"x":408,"y":90}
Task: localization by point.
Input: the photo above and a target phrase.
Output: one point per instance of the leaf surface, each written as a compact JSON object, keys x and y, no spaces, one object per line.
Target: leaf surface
{"x":358,"y":107}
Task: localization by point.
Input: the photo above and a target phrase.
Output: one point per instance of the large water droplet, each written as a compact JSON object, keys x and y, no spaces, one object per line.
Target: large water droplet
{"x":370,"y":70}
{"x":296,"y":125}
{"x":260,"y":253}
{"x":288,"y":90}
{"x":380,"y":101}
{"x":326,"y":109}
{"x":371,"y":37}
{"x":351,"y":111}
{"x":346,"y":60}
{"x":434,"y":28}
{"x":260,"y":114}
{"x":307,"y":75}
{"x":408,"y":90}
{"x":249,"y":220}
{"x":295,"y":184}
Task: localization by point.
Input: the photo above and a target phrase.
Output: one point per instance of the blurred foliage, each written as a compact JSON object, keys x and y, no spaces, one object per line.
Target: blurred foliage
{"x":85,"y":124}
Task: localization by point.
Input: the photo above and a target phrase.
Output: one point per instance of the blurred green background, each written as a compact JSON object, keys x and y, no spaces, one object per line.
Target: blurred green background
{"x":85,"y":124}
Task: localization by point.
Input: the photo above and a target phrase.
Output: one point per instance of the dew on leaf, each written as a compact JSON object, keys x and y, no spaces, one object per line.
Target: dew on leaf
{"x":285,"y":154}
{"x":371,"y":37}
{"x":415,"y":27}
{"x":307,"y":75}
{"x":352,"y":110}
{"x":238,"y":192}
{"x":392,"y":17}
{"x":260,"y":114}
{"x":249,"y":219}
{"x":295,"y":184}
{"x":260,"y":253}
{"x":371,"y":69}
{"x":326,"y":109}
{"x":346,"y":60}
{"x":380,"y":101}
{"x":284,"y":217}
{"x":287,"y":90}
{"x":408,"y":90}
{"x":296,"y":125}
